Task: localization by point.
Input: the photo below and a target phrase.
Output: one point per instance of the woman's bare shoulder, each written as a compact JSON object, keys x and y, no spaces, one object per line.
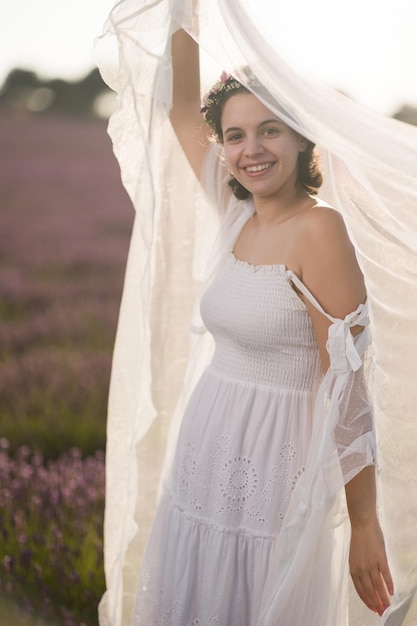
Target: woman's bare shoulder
{"x":323,"y":226}
{"x":329,"y":265}
{"x":321,"y":215}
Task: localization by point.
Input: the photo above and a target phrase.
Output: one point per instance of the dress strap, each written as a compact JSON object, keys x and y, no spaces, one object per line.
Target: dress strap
{"x":345,"y":351}
{"x":301,"y":286}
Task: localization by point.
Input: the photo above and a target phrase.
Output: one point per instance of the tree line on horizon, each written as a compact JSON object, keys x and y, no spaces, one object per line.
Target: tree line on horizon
{"x":23,"y":91}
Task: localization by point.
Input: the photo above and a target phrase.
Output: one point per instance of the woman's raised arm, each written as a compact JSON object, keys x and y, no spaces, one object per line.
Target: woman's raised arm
{"x":185,"y":113}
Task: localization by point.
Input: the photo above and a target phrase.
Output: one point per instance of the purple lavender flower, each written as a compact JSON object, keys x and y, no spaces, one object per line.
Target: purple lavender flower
{"x":65,"y":223}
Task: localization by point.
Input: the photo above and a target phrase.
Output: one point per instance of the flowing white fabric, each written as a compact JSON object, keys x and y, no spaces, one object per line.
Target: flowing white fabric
{"x":370,"y":164}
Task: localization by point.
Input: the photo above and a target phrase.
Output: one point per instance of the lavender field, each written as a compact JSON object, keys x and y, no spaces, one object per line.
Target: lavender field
{"x":65,"y":223}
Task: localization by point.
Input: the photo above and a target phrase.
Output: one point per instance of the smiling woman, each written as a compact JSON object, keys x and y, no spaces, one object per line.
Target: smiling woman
{"x":258,"y":323}
{"x":267,"y":493}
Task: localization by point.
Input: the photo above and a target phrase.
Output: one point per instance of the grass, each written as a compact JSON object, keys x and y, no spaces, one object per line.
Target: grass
{"x":13,"y":615}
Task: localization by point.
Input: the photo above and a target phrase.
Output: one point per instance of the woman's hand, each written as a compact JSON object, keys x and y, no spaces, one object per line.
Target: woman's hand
{"x":369,"y":566}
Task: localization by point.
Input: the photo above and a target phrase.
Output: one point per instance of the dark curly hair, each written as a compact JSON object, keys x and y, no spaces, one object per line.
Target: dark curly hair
{"x":309,"y":176}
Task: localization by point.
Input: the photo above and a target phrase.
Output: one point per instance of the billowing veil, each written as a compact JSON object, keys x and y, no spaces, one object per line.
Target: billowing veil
{"x":370,"y":165}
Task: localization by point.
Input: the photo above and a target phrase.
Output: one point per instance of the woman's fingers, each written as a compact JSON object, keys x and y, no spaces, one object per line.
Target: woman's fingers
{"x":380,"y":592}
{"x":362,"y":588}
{"x":386,"y":575}
{"x":374,"y":589}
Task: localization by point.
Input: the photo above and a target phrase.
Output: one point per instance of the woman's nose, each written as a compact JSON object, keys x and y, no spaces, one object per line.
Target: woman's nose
{"x":253,"y":146}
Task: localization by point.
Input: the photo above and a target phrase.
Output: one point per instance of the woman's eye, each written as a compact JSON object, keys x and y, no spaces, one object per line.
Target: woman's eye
{"x":234,"y":137}
{"x":271,"y":131}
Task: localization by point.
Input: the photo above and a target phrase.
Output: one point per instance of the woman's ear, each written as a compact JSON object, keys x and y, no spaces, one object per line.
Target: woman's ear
{"x":302,"y":143}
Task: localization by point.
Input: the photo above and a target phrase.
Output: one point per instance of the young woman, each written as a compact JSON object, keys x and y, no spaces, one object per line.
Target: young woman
{"x":287,"y":310}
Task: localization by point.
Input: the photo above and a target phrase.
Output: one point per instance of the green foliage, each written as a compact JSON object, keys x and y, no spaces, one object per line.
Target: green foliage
{"x":58,"y":409}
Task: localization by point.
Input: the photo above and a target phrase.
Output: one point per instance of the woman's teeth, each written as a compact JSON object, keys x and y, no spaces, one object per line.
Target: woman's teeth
{"x":258,"y":168}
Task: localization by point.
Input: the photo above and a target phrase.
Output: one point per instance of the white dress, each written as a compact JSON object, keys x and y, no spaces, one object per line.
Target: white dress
{"x":241,"y":451}
{"x":371,"y":179}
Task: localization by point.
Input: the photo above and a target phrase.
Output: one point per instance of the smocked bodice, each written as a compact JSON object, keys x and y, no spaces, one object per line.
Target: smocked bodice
{"x":262,"y":330}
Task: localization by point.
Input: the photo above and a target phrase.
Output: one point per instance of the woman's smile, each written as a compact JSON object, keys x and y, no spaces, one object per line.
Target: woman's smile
{"x":259,"y":168}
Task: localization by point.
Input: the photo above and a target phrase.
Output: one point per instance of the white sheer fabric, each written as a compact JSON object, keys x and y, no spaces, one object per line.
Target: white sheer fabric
{"x":370,"y":164}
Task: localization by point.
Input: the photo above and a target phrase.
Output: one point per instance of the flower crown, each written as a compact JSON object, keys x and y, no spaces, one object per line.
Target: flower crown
{"x":214,"y":97}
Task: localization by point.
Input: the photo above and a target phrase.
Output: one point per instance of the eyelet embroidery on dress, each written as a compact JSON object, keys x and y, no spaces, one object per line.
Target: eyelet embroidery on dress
{"x":222,"y":447}
{"x":188,"y":468}
{"x":237,"y":481}
{"x":282,"y":478}
{"x":173,"y":615}
{"x":287,"y":453}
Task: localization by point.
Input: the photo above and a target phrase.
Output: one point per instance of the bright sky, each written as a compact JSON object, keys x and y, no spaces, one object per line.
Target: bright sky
{"x":372,"y":55}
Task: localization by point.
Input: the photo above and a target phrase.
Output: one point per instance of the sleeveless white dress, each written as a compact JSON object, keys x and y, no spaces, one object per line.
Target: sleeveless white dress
{"x":371,"y":180}
{"x":241,"y":451}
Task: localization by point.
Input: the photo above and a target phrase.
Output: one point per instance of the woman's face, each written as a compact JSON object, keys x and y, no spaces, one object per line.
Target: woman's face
{"x":261,"y":151}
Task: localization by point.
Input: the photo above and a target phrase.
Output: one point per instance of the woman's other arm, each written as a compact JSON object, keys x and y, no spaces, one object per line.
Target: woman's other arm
{"x":185,"y":114}
{"x":330,"y":271}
